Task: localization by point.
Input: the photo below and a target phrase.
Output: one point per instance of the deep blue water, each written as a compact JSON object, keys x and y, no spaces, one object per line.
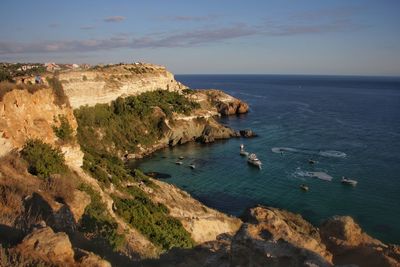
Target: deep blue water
{"x":350,"y":125}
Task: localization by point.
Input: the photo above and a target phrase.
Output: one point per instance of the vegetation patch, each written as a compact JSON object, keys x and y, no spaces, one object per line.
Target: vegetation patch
{"x":64,"y":131}
{"x":6,"y":87}
{"x":43,"y":160}
{"x":60,"y":97}
{"x":97,"y":222}
{"x":11,"y":258}
{"x":152,"y":220}
{"x":120,"y":127}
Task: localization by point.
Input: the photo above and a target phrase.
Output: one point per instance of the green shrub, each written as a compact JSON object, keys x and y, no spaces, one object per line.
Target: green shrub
{"x":97,"y":221}
{"x":43,"y":159}
{"x":64,"y":131}
{"x":153,"y":220}
{"x":61,"y":98}
{"x":5,"y":76}
{"x":128,"y":122}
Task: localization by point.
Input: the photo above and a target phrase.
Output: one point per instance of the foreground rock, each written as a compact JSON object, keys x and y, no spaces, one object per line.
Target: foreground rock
{"x":203,"y":224}
{"x":278,"y":238}
{"x":350,"y":245}
{"x":46,"y":245}
{"x":268,"y":237}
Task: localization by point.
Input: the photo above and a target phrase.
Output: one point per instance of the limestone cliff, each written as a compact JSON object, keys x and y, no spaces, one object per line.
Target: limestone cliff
{"x":24,"y":115}
{"x":32,"y":210}
{"x":104,"y":84}
{"x":220,"y":102}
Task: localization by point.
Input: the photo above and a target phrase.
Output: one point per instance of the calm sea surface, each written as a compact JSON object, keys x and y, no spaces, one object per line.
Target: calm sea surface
{"x":349,"y":125}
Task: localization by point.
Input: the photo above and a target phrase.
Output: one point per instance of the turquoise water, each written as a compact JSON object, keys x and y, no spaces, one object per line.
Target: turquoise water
{"x":349,"y":125}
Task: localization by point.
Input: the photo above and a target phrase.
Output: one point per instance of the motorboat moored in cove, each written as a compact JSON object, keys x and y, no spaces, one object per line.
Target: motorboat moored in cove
{"x":304,"y":187}
{"x":253,"y":160}
{"x":348,"y":181}
{"x":242,"y":151}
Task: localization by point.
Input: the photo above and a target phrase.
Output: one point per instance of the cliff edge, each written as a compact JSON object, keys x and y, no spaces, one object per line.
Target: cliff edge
{"x":68,"y":199}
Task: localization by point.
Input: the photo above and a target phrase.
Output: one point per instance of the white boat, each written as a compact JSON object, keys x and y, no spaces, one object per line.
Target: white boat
{"x":192,"y":166}
{"x":242,"y":151}
{"x":304,"y":187}
{"x":349,"y":181}
{"x":179,"y":163}
{"x":253,"y":160}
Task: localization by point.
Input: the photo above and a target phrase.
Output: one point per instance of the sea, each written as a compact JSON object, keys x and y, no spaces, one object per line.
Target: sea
{"x":350,"y":126}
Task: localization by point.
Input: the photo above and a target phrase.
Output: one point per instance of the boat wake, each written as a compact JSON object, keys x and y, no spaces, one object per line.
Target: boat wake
{"x":324,"y":153}
{"x":320,"y":175}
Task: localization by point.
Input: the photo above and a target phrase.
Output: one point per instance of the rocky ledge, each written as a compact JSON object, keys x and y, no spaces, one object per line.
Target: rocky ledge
{"x":275,"y":237}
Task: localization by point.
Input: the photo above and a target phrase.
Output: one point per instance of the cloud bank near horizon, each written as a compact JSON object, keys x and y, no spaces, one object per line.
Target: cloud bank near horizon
{"x":199,"y":36}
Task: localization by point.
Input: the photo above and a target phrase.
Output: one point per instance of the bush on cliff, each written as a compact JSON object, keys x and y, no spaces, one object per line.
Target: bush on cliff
{"x":152,"y":220}
{"x":120,"y":127}
{"x":43,"y":159}
{"x":64,"y":131}
{"x":105,"y":168}
{"x":97,"y":222}
{"x":60,"y":97}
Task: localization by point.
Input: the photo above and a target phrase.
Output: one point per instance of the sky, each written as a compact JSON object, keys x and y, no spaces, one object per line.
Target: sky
{"x":333,"y":37}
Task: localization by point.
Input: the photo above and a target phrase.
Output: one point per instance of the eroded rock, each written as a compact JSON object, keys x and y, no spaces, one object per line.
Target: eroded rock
{"x":44,"y":244}
{"x":350,"y":245}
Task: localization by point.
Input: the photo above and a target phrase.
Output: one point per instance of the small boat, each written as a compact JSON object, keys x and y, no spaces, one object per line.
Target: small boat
{"x":179,"y":163}
{"x":181,"y":157}
{"x":304,"y":187}
{"x":253,"y":160}
{"x":349,"y":181}
{"x":311,"y":161}
{"x":242,"y":151}
{"x":192,"y":166}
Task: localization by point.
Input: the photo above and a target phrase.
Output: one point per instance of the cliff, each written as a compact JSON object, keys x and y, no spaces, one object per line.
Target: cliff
{"x":104,"y":84}
{"x":25,"y":115}
{"x":94,"y":211}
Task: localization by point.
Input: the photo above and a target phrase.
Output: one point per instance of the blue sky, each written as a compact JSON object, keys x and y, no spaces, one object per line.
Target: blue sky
{"x":210,"y":36}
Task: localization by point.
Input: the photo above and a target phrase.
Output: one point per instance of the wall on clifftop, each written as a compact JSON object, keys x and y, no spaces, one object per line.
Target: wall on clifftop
{"x":104,"y":84}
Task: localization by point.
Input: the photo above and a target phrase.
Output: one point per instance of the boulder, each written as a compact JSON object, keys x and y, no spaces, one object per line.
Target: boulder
{"x":247,"y":133}
{"x":350,"y":245}
{"x":277,"y":233}
{"x":46,"y":245}
{"x":93,"y":260}
{"x":78,"y":204}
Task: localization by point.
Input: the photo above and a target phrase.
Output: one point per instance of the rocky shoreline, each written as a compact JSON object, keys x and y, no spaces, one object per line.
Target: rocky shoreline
{"x":202,"y":126}
{"x":40,"y":221}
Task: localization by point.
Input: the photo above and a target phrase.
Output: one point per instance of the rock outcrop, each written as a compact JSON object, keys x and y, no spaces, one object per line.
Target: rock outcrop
{"x":219,"y":102}
{"x":104,"y":84}
{"x":25,"y":115}
{"x":46,"y":245}
{"x":93,"y":260}
{"x":268,"y":237}
{"x":274,"y":224}
{"x":350,"y":245}
{"x":203,"y":224}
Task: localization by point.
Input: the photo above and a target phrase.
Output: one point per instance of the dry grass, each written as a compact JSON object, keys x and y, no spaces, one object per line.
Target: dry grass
{"x":6,"y":87}
{"x":15,"y":184}
{"x":12,"y":258}
{"x":61,"y":187}
{"x":10,"y":203}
